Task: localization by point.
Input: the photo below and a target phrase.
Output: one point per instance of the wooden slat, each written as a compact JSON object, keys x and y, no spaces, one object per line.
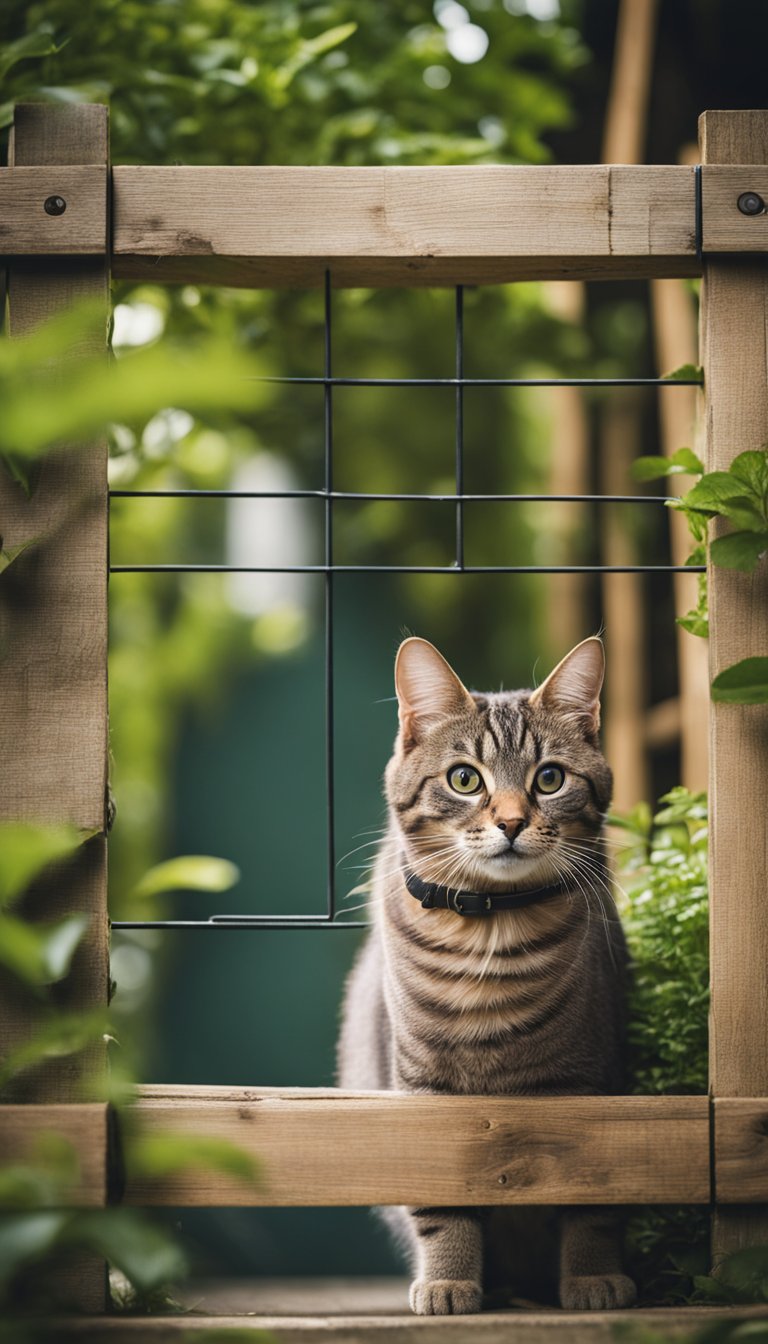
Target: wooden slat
{"x":53,"y":633}
{"x":53,"y":626}
{"x":83,"y":1126}
{"x":302,"y":1325}
{"x":725,"y":228}
{"x":735,"y":357}
{"x":27,"y":229}
{"x":380,"y":226}
{"x":384,"y":1148}
{"x":741,"y":1150}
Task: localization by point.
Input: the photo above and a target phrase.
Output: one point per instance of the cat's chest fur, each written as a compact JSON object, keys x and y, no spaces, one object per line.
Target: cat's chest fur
{"x":517,"y":1002}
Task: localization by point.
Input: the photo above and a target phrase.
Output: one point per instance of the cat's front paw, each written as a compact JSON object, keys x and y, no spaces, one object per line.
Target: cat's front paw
{"x":596,"y":1292}
{"x":445,"y":1297}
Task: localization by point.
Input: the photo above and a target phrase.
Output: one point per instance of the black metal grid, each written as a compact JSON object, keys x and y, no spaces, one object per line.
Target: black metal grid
{"x":328,"y":568}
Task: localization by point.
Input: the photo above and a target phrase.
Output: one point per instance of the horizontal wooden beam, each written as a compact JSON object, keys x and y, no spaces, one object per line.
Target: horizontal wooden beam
{"x":358,"y":1148}
{"x":53,"y":211}
{"x":278,"y":226}
{"x":402,"y":226}
{"x":23,"y":1130}
{"x":741,"y":1150}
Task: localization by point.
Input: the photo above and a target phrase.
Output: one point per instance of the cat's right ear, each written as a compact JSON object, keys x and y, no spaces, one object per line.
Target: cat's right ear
{"x":428,"y":690}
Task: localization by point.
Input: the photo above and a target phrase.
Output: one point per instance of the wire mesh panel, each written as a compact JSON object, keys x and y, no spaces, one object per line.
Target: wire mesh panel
{"x":329,"y":568}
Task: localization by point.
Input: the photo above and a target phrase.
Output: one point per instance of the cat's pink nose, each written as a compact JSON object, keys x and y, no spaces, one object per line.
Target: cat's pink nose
{"x":512,"y":826}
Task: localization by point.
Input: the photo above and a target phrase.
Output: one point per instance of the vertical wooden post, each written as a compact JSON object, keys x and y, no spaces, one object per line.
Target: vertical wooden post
{"x":567,"y":608}
{"x":735,"y":356}
{"x":53,"y":641}
{"x":674,"y":326}
{"x":625,"y":697}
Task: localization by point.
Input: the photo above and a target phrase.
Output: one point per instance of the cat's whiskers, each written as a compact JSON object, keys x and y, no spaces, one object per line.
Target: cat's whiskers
{"x":585,"y":866}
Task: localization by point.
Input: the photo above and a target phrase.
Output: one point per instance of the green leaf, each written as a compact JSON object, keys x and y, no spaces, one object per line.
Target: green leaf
{"x":695,"y":623}
{"x":714,"y":492}
{"x":191,"y":872}
{"x":685,"y":374}
{"x":40,"y":954}
{"x":37,"y":44}
{"x":752,"y":469}
{"x":25,"y":1237}
{"x":60,"y":940}
{"x":309,"y":50}
{"x":145,"y":1253}
{"x":683,"y":462}
{"x":739,"y":550}
{"x":745,"y":683}
{"x":44,"y":1178}
{"x":46,"y":403}
{"x":12,"y":553}
{"x":154,"y":1156}
{"x":26,"y":851}
{"x":650,"y":468}
{"x":23,"y":473}
{"x":66,"y":1034}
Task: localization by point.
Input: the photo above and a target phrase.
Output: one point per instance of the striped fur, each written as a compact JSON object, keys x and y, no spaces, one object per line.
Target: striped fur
{"x":523,"y":1002}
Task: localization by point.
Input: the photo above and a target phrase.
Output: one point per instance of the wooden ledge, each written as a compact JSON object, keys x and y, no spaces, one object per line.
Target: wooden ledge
{"x":351,"y":1311}
{"x":364,"y":1148}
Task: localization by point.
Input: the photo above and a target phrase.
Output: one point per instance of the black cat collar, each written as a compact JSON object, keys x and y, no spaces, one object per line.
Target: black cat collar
{"x":434,"y":897}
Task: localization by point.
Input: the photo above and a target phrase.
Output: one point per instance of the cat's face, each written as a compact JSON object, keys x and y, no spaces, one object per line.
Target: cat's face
{"x":491,"y":791}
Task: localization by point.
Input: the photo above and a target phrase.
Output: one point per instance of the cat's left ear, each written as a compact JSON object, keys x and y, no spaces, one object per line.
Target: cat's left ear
{"x":574,"y":687}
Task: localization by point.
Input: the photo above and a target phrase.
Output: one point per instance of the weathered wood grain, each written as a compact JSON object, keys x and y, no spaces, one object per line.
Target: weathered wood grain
{"x":725,"y":228}
{"x":27,"y":229}
{"x":383,"y":1148}
{"x":416,"y":226}
{"x":741,"y":1150}
{"x":290,"y":1319}
{"x":735,"y":358}
{"x":53,"y":642}
{"x":83,"y":1126}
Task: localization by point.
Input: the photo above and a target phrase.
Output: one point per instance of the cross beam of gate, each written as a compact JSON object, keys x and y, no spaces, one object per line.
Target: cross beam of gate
{"x":275,"y":226}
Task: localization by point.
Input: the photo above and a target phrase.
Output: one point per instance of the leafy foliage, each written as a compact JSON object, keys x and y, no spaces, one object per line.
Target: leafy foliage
{"x":739,"y":495}
{"x":746,"y":683}
{"x":27,"y":850}
{"x":192,"y":872}
{"x":662,"y":863}
{"x":664,"y":908}
{"x":154,"y":1156}
{"x":40,"y":954}
{"x":741,"y":1278}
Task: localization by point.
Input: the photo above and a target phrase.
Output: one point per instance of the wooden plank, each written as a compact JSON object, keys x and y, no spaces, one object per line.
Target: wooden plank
{"x":619,"y":435}
{"x":53,"y":628}
{"x":26,"y":228}
{"x":385,"y":1148}
{"x":53,"y":632}
{"x":482,"y":224}
{"x":676,"y":343}
{"x":725,"y":227}
{"x":83,"y":1126}
{"x":741,"y":1150}
{"x":735,"y":356}
{"x":302,"y":1325}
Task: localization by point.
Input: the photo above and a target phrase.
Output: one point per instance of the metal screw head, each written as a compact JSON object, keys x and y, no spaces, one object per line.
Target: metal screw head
{"x":54,"y":205}
{"x":750,"y":203}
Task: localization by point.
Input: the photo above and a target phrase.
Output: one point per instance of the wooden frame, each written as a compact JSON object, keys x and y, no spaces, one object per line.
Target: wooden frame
{"x":412,"y":226}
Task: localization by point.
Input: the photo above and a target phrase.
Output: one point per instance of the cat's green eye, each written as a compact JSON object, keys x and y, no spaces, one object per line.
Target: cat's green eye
{"x":549,"y":779}
{"x":465,"y":779}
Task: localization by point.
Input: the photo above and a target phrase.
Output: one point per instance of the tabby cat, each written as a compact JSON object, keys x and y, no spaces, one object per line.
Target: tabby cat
{"x":496,"y":962}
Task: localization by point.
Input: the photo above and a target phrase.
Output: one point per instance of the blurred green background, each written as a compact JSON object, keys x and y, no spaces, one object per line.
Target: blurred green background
{"x":216,"y":684}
